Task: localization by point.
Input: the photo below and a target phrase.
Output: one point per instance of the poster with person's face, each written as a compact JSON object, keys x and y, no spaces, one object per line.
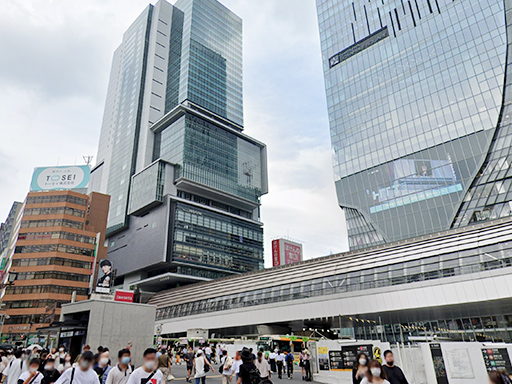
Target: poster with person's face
{"x":105,"y":277}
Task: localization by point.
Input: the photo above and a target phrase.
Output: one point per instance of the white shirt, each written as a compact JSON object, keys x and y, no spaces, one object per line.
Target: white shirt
{"x":236,"y":366}
{"x":208,"y":351}
{"x":79,"y":377}
{"x":14,"y":370}
{"x":280,"y":357}
{"x":117,"y":376}
{"x":200,"y":363}
{"x":263,"y":367}
{"x":365,"y":381}
{"x":37,"y":380}
{"x":228,"y":364}
{"x":272,"y":355}
{"x":139,"y":374}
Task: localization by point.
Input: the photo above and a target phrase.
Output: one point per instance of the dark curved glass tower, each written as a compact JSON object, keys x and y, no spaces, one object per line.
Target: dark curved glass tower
{"x":419,"y":105}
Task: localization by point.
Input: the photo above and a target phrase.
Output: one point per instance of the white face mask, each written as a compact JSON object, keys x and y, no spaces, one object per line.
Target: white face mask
{"x":150,"y":364}
{"x":32,"y":369}
{"x":104,"y":361}
{"x":375,"y":372}
{"x":61,"y":349}
{"x":48,"y":367}
{"x":85,"y":364}
{"x":362,"y":361}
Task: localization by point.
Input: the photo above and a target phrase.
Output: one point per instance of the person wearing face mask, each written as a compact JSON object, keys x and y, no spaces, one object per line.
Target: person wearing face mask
{"x":121,"y":373}
{"x":103,"y":367}
{"x":15,"y":368}
{"x":375,"y":374}
{"x":32,"y":376}
{"x":61,"y":355}
{"x":360,"y":368}
{"x":50,"y":374}
{"x":65,"y":363}
{"x":148,"y":373}
{"x":395,"y":374}
{"x":83,"y":374}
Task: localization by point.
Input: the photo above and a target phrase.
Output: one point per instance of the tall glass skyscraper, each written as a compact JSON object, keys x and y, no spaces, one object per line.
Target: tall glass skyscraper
{"x":185,"y":180}
{"x":418,"y":101}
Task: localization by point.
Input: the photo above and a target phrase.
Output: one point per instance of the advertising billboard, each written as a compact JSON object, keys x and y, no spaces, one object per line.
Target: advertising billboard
{"x":276,"y":257}
{"x":65,"y":177}
{"x":285,"y":252}
{"x":105,"y":277}
{"x":409,"y":180}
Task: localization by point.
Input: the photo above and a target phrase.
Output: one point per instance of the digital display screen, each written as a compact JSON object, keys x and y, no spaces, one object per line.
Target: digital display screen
{"x":410,"y":180}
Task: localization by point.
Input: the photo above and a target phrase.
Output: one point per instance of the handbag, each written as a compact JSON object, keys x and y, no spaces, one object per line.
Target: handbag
{"x":170,"y":377}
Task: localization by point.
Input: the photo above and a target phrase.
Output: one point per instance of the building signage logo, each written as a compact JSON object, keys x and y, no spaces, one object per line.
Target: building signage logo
{"x":292,"y":253}
{"x":67,"y":177}
{"x":276,"y":257}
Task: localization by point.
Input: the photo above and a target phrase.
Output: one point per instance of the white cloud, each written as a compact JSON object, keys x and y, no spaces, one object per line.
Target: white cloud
{"x":53,"y":74}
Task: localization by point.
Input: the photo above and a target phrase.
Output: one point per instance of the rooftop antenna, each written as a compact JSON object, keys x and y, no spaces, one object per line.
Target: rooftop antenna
{"x":87,"y":159}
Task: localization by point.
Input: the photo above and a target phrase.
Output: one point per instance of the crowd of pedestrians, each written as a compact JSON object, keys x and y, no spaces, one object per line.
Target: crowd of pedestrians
{"x":55,"y":367}
{"x":35,"y":366}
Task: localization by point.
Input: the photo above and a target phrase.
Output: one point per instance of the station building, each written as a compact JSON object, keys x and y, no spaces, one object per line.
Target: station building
{"x":452,"y":285}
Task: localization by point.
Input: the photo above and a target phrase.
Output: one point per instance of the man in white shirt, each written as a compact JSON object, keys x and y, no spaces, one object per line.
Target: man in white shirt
{"x":15,"y":368}
{"x":32,"y":376}
{"x":226,"y":364}
{"x":279,"y":363}
{"x":122,"y":371}
{"x":208,"y":352}
{"x":83,"y":374}
{"x":149,"y":372}
{"x":236,"y":365}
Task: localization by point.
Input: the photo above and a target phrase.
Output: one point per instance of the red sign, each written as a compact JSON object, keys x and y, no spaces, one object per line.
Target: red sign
{"x":125,"y":296}
{"x":292,"y":253}
{"x":276,"y":255}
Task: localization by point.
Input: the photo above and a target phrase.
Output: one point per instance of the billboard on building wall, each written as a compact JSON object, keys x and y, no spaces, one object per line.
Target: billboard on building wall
{"x":285,"y":252}
{"x":65,"y":177}
{"x":105,"y":277}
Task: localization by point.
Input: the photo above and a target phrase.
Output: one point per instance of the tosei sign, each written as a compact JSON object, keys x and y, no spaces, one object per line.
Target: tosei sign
{"x":285,"y":252}
{"x":67,"y":177}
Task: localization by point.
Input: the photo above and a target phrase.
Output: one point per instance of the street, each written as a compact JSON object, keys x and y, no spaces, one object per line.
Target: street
{"x":180,"y":372}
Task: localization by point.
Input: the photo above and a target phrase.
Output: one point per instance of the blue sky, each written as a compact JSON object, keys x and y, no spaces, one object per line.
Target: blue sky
{"x":54,"y":70}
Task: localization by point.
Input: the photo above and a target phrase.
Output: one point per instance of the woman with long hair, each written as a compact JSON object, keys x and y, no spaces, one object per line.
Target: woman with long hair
{"x":360,"y":368}
{"x":375,"y":374}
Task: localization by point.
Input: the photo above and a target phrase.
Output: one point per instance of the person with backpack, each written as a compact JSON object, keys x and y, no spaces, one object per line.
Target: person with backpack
{"x":122,"y":371}
{"x":289,"y":360}
{"x":50,"y":373}
{"x":103,"y":367}
{"x":83,"y":374}
{"x":15,"y":368}
{"x":32,"y":376}
{"x":201,"y":367}
{"x":249,"y":374}
{"x":149,"y":372}
{"x":225,"y":368}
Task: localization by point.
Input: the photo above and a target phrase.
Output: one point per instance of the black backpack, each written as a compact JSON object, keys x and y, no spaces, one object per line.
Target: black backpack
{"x":255,"y":376}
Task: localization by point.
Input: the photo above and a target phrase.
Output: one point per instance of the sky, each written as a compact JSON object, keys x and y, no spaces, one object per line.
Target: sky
{"x":55,"y":59}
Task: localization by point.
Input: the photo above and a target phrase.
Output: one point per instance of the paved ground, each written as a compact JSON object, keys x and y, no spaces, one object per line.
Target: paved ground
{"x":180,"y":372}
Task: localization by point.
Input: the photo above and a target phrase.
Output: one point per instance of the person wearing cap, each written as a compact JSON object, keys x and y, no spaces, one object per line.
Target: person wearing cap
{"x":105,"y":280}
{"x":83,"y":374}
{"x":200,"y":364}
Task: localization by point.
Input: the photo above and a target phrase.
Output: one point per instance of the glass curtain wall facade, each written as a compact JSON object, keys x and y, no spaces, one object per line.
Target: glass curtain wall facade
{"x":415,"y":95}
{"x":173,"y":126}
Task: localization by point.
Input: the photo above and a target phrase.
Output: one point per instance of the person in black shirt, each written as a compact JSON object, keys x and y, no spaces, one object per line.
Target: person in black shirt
{"x":50,"y":374}
{"x":360,"y":368}
{"x":394,"y":373}
{"x":246,"y":368}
